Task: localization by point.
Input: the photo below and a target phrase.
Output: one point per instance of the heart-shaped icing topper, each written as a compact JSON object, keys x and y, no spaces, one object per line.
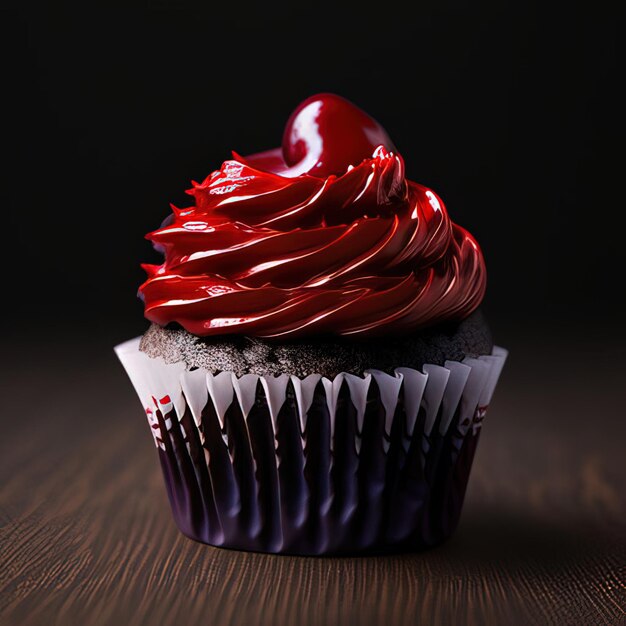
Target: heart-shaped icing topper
{"x":323,"y":136}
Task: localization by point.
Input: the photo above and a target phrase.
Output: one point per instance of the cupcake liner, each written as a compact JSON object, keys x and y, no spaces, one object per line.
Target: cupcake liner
{"x":284,"y":464}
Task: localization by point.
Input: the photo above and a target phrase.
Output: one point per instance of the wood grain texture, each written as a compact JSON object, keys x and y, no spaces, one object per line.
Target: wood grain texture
{"x":86,"y":536}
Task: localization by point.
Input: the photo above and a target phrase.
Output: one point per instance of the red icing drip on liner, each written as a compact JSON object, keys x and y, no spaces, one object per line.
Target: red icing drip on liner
{"x":295,"y":253}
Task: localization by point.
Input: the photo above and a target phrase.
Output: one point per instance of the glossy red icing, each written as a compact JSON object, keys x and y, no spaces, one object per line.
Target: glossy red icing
{"x":322,"y":236}
{"x":323,"y":136}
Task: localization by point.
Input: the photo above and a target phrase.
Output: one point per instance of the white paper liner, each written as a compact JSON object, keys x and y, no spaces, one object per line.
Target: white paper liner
{"x":470,"y":383}
{"x":453,"y":398}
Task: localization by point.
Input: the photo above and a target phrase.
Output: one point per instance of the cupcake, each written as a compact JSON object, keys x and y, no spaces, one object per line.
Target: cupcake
{"x":317,"y":368}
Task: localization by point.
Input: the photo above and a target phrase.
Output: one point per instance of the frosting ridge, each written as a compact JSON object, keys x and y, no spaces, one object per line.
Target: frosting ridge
{"x":265,"y":251}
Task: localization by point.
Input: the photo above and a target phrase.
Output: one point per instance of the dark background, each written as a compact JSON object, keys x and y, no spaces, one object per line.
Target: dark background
{"x":510,"y":113}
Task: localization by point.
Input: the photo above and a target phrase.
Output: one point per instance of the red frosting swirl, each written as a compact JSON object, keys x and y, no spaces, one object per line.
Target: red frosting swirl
{"x":292,"y":254}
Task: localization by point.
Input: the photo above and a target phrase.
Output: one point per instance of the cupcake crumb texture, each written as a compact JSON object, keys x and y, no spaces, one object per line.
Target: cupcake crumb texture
{"x":325,"y":356}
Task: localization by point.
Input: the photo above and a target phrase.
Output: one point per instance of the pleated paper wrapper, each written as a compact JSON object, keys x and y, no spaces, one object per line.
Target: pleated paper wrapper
{"x":282,"y":464}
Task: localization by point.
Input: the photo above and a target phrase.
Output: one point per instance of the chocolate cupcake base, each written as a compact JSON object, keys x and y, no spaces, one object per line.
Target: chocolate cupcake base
{"x":316,"y":466}
{"x":328,"y":356}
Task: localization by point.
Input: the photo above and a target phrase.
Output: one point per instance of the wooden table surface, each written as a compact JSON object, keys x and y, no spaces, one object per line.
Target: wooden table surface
{"x":86,"y":535}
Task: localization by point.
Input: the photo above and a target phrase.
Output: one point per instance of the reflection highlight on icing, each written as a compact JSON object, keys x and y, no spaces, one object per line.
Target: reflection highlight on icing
{"x":324,"y":235}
